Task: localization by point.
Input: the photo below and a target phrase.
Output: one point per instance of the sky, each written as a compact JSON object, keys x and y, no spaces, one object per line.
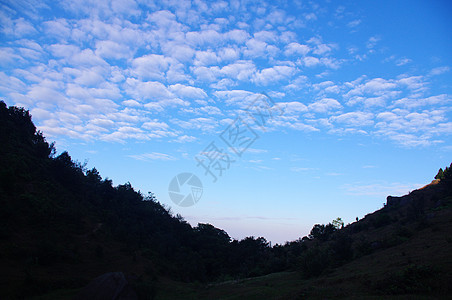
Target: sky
{"x":290,"y":113}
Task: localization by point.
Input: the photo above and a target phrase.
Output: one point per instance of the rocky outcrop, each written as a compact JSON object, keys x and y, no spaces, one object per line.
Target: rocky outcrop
{"x":396,"y":201}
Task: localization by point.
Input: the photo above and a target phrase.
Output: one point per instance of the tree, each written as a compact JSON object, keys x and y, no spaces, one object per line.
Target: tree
{"x":338,"y":223}
{"x":447,"y":172}
{"x":314,"y":261}
{"x":321,"y":231}
{"x":440,"y":174}
{"x":93,"y":176}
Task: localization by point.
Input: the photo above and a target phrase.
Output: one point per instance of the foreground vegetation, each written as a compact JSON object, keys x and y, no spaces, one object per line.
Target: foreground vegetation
{"x":61,"y":225}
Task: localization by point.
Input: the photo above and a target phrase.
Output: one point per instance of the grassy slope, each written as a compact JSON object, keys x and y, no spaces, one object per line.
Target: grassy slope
{"x":385,"y":272}
{"x":415,"y":263}
{"x":368,"y":277}
{"x":372,"y":276}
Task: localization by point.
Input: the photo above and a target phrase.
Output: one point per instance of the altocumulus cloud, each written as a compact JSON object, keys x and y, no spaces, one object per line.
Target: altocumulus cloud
{"x":119,"y":70}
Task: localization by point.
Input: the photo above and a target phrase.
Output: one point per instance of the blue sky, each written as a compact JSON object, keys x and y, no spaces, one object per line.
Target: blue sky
{"x":139,"y":89}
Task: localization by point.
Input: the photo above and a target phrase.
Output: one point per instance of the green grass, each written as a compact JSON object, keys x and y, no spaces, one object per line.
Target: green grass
{"x":284,"y":285}
{"x":272,"y":286}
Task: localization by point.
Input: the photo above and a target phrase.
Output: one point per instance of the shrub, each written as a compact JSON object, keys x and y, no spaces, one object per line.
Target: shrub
{"x":414,"y":279}
{"x":314,"y":261}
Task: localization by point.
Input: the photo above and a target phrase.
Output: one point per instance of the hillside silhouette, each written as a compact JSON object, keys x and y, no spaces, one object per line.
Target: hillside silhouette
{"x":62,"y":225}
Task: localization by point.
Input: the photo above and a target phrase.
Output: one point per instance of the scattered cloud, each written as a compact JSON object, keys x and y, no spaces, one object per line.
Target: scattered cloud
{"x":439,"y":70}
{"x":325,"y":105}
{"x":185,"y":139}
{"x":354,"y":23}
{"x":121,"y":70}
{"x":152,"y":156}
{"x":354,"y":119}
{"x":403,"y":61}
{"x":381,"y":189}
{"x":372,"y":42}
{"x":301,"y":169}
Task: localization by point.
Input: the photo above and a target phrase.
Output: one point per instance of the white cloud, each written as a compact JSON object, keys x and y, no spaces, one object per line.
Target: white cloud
{"x":203,"y":124}
{"x":184,"y":91}
{"x":273,"y":74}
{"x":255,"y":48}
{"x":412,"y":129}
{"x":354,"y":23}
{"x":355,"y":119}
{"x":101,"y":72}
{"x":325,"y":105}
{"x":322,"y":49}
{"x":185,"y":139}
{"x":236,"y":97}
{"x":102,"y":122}
{"x":237,"y":35}
{"x":294,"y":107}
{"x":150,"y":90}
{"x":266,"y":36}
{"x":311,"y":61}
{"x":415,"y":83}
{"x":30,"y":54}
{"x":203,"y":37}
{"x":126,"y":7}
{"x":310,"y":17}
{"x":377,"y":86}
{"x":151,"y":67}
{"x":58,"y":28}
{"x":61,"y":50}
{"x":373,"y":87}
{"x":92,"y":77}
{"x":110,"y":49}
{"x":381,"y":189}
{"x":439,"y":70}
{"x":205,"y":58}
{"x":413,"y":102}
{"x":403,"y":61}
{"x":180,"y":52}
{"x":241,"y":70}
{"x":209,"y":74}
{"x":41,"y":114}
{"x":132,"y":103}
{"x":165,"y":19}
{"x":223,"y":84}
{"x":155,"y":125}
{"x":10,"y":84}
{"x":301,"y":169}
{"x":204,"y":110}
{"x":296,"y":48}
{"x":23,"y":28}
{"x":87,"y":58}
{"x":46,"y":91}
{"x":256,"y":151}
{"x":228,"y":54}
{"x":409,"y":140}
{"x":372,"y":42}
{"x":152,"y":156}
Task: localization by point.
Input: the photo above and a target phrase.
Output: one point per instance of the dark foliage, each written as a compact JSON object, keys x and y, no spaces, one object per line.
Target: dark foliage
{"x":322,"y":232}
{"x":414,"y":279}
{"x":315,"y":261}
{"x":60,"y":201}
{"x":446,"y":174}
